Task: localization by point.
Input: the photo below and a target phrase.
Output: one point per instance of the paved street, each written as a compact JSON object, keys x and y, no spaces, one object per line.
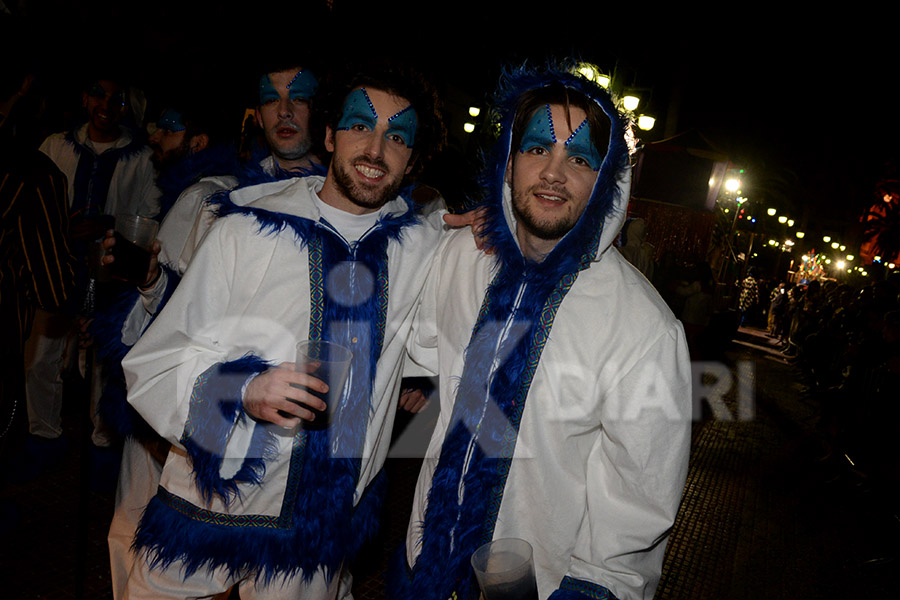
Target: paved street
{"x":761,"y":517}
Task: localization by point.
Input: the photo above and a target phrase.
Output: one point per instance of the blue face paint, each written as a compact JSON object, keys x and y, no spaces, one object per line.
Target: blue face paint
{"x":404,"y":124}
{"x":99,"y":92}
{"x":267,"y":91}
{"x":171,"y":120}
{"x":580,"y":144}
{"x":302,"y":86}
{"x":359,"y":110}
{"x":540,"y":134}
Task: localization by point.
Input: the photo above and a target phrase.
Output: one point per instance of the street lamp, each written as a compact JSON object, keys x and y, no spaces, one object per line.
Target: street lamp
{"x":771,"y":212}
{"x":630,"y":102}
{"x":800,"y":235}
{"x":646,"y":122}
{"x":733,"y":185}
{"x":474,"y":111}
{"x":782,"y":219}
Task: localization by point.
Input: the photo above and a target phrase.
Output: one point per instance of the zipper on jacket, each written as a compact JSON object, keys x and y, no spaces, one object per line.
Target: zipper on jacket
{"x":470,"y":451}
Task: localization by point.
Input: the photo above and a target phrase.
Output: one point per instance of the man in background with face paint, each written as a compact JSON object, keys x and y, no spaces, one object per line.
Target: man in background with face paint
{"x":564,"y":378}
{"x":252,"y":494}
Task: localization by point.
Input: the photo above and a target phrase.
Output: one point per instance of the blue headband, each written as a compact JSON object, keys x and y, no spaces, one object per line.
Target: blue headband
{"x":171,"y":120}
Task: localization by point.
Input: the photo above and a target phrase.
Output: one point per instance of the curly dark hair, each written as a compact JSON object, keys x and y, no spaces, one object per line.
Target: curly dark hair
{"x":396,"y":79}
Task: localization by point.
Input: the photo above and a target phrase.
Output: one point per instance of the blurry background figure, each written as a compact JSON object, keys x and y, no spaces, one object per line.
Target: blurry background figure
{"x":749,"y":297}
{"x":108,"y":168}
{"x":36,"y":266}
{"x":635,"y":250}
{"x":697,"y":290}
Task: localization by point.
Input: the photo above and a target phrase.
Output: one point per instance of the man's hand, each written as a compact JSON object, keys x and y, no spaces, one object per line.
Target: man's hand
{"x":152,"y":272}
{"x":271,"y":391}
{"x":413,"y":400}
{"x":475,"y":219}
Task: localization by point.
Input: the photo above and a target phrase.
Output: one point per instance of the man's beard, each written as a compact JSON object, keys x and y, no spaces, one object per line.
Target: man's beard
{"x":542,"y":229}
{"x":171,"y":158}
{"x":360,"y":194}
{"x":295,"y":152}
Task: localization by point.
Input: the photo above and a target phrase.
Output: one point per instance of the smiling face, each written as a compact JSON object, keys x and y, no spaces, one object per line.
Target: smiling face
{"x":283,"y":115}
{"x":105,"y":105}
{"x":372,"y":148}
{"x":552,"y":176}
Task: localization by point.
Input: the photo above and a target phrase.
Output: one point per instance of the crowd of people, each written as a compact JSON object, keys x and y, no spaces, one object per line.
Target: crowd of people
{"x":845,"y":342}
{"x":574,"y":439}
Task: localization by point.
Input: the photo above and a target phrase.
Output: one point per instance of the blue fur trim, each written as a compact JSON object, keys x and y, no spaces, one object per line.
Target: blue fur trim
{"x":253,"y":172}
{"x":271,"y":222}
{"x":582,"y":240}
{"x":135,"y":146}
{"x":579,"y":589}
{"x":215,"y":409}
{"x":106,"y":328}
{"x":270,"y":552}
{"x":440,"y":571}
{"x":214,"y":160}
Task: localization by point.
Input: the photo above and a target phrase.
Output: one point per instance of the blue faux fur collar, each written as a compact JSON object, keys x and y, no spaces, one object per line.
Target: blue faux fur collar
{"x":514,"y":323}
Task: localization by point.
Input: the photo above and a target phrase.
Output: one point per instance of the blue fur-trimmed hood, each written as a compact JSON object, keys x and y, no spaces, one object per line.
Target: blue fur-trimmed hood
{"x":605,"y":212}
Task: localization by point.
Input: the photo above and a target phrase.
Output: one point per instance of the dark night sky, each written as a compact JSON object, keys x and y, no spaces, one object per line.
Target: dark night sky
{"x":814,"y":93}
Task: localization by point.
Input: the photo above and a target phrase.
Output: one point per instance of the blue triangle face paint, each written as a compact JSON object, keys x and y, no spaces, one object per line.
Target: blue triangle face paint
{"x":303,"y":86}
{"x":580,"y":144}
{"x":359,"y":110}
{"x":540,"y":133}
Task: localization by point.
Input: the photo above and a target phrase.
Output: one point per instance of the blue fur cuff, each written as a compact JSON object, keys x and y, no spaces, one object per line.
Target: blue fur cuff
{"x":579,"y":589}
{"x":215,"y":409}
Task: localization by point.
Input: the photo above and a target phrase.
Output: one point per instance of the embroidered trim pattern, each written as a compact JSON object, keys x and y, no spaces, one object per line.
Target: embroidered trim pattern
{"x":586,"y":588}
{"x":541,"y":335}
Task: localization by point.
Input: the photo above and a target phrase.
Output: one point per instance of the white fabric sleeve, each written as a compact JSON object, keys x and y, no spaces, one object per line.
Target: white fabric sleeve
{"x":182,"y":342}
{"x":636,"y":471}
{"x":421,"y":347}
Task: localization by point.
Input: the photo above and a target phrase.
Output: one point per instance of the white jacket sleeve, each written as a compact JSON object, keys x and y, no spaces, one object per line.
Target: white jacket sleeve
{"x":422,"y":353}
{"x":636,"y":471}
{"x":182,"y":343}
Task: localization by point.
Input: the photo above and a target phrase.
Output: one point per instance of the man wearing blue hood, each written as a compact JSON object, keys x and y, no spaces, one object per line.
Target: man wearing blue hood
{"x":564,"y":378}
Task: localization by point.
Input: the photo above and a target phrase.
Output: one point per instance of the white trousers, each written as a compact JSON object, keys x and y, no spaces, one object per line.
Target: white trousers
{"x":139,"y":475}
{"x":52,"y":343}
{"x":44,"y":357}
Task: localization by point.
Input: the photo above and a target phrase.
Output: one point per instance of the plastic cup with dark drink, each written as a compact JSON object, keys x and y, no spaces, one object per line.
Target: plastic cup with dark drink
{"x":134,"y":238}
{"x":505,"y":570}
{"x":330,"y":363}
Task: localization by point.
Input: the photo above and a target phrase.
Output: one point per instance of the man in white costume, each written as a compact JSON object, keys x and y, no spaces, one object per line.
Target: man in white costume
{"x":109,"y":171}
{"x":564,"y":378}
{"x":249,"y":496}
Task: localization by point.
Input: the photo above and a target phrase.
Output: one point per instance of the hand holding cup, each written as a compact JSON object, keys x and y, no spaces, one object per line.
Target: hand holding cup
{"x":283,"y":396}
